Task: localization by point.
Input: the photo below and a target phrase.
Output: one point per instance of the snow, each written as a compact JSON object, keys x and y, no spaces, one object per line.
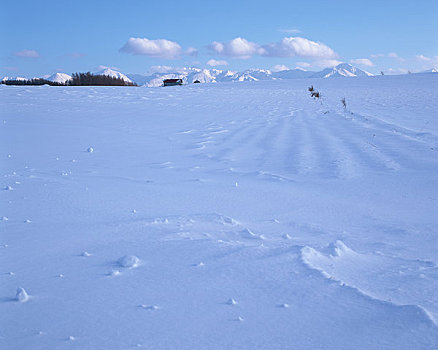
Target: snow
{"x":13,"y":78}
{"x":21,"y":295}
{"x":328,"y":241}
{"x":189,"y":75}
{"x":342,"y":70}
{"x":128,"y":261}
{"x":113,"y":73}
{"x":59,"y":77}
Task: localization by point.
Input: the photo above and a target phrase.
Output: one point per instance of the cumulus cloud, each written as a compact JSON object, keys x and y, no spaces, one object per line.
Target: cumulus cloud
{"x":362,"y":62}
{"x":279,"y":68}
{"x":160,"y":69}
{"x":102,"y":67}
{"x":27,"y":54}
{"x":326,"y":63}
{"x":160,"y":48}
{"x":214,"y":63}
{"x":288,"y":47}
{"x":298,"y":47}
{"x":237,"y":48}
{"x":303,"y":64}
{"x":191,"y":51}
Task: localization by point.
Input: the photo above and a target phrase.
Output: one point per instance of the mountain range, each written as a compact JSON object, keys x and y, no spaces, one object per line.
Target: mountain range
{"x":190,"y":74}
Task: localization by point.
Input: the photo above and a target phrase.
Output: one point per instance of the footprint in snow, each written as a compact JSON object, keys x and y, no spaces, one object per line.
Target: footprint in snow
{"x":232,"y":302}
{"x":8,"y":188}
{"x":85,"y":254}
{"x":284,"y":306}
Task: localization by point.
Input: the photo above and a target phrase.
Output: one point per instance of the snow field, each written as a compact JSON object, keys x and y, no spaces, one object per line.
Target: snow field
{"x":263,"y":219}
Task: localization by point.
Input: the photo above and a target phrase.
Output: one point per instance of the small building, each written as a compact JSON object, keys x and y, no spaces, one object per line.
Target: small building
{"x":196,"y":82}
{"x":172,"y":82}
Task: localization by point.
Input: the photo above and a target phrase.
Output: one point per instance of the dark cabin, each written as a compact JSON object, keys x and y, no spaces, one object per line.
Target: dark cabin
{"x":196,"y":82}
{"x":172,"y":82}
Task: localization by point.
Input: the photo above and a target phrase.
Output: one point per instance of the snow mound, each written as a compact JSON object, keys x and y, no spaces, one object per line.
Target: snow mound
{"x":363,"y":273}
{"x":128,"y":261}
{"x":21,"y":295}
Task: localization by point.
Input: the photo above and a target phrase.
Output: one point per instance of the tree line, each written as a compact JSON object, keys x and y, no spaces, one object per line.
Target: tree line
{"x":77,"y":79}
{"x":34,"y":81}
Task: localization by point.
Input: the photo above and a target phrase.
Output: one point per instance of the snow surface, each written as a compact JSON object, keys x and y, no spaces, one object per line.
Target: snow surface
{"x":213,"y":216}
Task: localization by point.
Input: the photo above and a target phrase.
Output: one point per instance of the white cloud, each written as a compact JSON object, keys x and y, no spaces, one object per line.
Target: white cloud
{"x":237,"y":48}
{"x":423,"y":58}
{"x":27,"y":54}
{"x":362,"y":62}
{"x":279,"y":68}
{"x":214,"y":63}
{"x":102,"y":67}
{"x":160,"y":69}
{"x":397,"y":57}
{"x":396,"y":71}
{"x":377,"y":55}
{"x":303,"y":64}
{"x":161,"y":48}
{"x":290,"y":31}
{"x":326,"y":63}
{"x":300,"y":47}
{"x":288,"y":47}
{"x":191,"y":51}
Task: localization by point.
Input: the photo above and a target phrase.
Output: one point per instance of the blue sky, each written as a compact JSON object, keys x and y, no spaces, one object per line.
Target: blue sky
{"x":139,"y":36}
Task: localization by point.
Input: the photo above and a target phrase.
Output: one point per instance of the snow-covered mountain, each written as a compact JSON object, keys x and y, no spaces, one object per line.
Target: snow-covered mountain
{"x":341,"y":70}
{"x":13,"y":78}
{"x":432,"y":70}
{"x":293,"y":74}
{"x":59,"y":77}
{"x":189,"y":75}
{"x":113,"y":73}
